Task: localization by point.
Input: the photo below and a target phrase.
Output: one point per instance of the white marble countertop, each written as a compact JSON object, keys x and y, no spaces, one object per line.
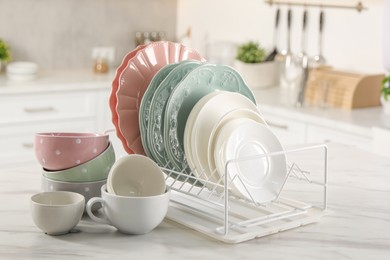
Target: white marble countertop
{"x":57,"y":80}
{"x":357,"y":228}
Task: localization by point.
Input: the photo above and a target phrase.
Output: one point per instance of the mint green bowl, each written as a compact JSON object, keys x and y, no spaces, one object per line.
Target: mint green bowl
{"x":96,"y":169}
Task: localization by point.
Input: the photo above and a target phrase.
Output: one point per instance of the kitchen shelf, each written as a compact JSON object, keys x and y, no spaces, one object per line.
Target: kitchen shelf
{"x":214,"y":210}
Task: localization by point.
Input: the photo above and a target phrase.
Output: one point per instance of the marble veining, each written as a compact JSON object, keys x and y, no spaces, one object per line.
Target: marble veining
{"x":357,"y":226}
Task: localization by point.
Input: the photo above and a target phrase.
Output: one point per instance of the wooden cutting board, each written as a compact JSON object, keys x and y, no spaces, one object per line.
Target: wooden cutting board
{"x":340,"y":89}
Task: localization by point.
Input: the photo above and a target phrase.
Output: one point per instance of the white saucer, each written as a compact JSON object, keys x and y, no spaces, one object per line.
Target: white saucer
{"x":260,"y":177}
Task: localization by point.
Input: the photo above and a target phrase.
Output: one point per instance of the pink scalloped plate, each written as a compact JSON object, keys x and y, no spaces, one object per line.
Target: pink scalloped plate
{"x":114,"y":89}
{"x":135,"y":79}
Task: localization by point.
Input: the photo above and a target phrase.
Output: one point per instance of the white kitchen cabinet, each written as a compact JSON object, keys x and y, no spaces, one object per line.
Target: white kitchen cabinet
{"x":105,"y":121}
{"x":293,"y":131}
{"x":33,"y":107}
{"x":287,"y":130}
{"x":381,"y":141}
{"x":317,"y":134}
{"x":22,"y":114}
{"x":312,"y":125}
{"x":17,"y":140}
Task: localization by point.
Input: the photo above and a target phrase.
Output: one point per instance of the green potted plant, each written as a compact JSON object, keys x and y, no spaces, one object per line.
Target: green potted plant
{"x":250,"y":52}
{"x":5,"y":54}
{"x":250,"y":62}
{"x":385,"y":94}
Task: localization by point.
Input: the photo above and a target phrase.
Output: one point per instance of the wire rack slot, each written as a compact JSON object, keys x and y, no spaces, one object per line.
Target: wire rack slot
{"x":218,"y":211}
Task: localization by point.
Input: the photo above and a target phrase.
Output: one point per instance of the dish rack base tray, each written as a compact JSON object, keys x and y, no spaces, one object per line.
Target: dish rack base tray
{"x":206,"y":224}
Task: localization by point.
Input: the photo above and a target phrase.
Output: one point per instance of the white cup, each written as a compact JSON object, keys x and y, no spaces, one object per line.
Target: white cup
{"x":131,"y":215}
{"x":136,"y":175}
{"x":57,"y":212}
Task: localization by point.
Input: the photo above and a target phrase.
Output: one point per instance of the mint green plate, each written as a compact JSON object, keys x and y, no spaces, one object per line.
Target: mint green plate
{"x":146,"y":102}
{"x":198,"y":83}
{"x":155,"y":141}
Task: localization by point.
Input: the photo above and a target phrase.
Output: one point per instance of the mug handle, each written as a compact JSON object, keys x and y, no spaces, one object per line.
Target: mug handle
{"x":90,"y":203}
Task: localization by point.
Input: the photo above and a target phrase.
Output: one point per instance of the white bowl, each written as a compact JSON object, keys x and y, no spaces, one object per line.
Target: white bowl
{"x":56,"y":213}
{"x":136,"y":175}
{"x":22,"y":70}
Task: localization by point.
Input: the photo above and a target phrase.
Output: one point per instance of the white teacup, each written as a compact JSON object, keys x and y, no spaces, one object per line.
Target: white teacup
{"x":131,"y":215}
{"x":136,"y":175}
{"x":57,"y":212}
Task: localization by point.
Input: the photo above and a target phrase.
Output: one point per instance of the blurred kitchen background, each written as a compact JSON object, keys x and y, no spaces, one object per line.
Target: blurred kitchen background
{"x":65,"y":37}
{"x":60,"y":34}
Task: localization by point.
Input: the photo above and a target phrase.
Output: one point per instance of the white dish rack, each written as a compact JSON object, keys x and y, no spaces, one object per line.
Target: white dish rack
{"x":215,"y":211}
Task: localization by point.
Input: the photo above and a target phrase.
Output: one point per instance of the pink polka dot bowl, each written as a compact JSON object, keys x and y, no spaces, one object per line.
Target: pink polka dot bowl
{"x":96,"y":169}
{"x":58,"y":151}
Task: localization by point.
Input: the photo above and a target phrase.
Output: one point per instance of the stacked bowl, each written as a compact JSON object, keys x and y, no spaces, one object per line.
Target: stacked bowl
{"x":197,"y":119}
{"x":77,"y":162}
{"x":22,"y":70}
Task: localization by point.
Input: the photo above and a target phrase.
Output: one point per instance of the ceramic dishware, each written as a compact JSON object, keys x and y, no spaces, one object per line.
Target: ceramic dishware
{"x":203,"y":117}
{"x":135,"y":79}
{"x":131,"y":215}
{"x":96,"y":169}
{"x":198,"y":83}
{"x":22,"y":70}
{"x":242,"y":112}
{"x":57,"y":212}
{"x":256,"y":164}
{"x":144,"y":110}
{"x":136,"y":175}
{"x":196,"y":170}
{"x":58,"y":150}
{"x":115,"y":86}
{"x":87,"y":189}
{"x":155,"y":134}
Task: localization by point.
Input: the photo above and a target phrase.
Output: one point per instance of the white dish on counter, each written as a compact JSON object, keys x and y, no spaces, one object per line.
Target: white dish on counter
{"x":22,"y":70}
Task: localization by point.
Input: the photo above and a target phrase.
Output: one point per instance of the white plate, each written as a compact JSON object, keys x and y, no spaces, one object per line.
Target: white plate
{"x":198,"y":83}
{"x":207,"y":115}
{"x":231,"y":115}
{"x":261,"y":178}
{"x":188,"y":133}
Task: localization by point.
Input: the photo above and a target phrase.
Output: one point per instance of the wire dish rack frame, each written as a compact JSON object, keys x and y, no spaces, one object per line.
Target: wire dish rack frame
{"x":213,"y":209}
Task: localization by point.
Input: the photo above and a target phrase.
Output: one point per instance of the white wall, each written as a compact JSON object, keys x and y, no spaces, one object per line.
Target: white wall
{"x":60,"y":34}
{"x":352,"y":40}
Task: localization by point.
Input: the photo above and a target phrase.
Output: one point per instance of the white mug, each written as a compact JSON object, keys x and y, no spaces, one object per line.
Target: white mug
{"x":131,"y":215}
